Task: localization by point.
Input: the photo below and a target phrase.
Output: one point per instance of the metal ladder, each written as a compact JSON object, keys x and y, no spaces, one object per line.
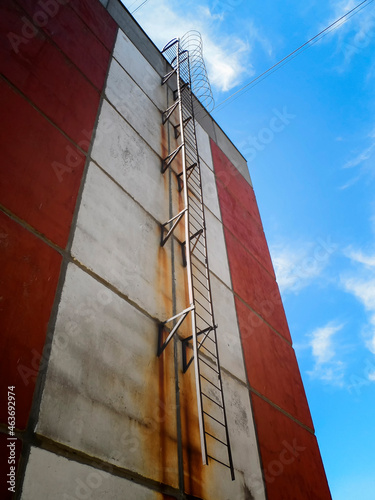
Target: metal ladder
{"x":201,"y":346}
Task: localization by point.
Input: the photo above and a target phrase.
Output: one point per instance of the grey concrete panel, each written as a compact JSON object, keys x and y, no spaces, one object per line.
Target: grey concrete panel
{"x":210,"y":196}
{"x":50,"y":477}
{"x":242,"y":436}
{"x":121,"y":152}
{"x":120,"y":242}
{"x":134,"y":105}
{"x":137,"y":36}
{"x":106,"y":392}
{"x":216,"y":249}
{"x":204,"y":148}
{"x":104,"y":2}
{"x":230,"y":348}
{"x":140,"y":70}
{"x":232,"y":153}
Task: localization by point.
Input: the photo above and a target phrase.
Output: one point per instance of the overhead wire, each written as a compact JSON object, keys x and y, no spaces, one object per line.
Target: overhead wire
{"x":294,"y":53}
{"x":139,"y":6}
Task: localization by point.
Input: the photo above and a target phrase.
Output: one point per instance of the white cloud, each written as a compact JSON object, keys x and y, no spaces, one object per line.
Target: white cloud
{"x":362,"y":157}
{"x":321,"y":342}
{"x":362,"y":286}
{"x":371,"y":376}
{"x":327,"y":367}
{"x":362,"y":161}
{"x":299,"y":265}
{"x":227,"y":57}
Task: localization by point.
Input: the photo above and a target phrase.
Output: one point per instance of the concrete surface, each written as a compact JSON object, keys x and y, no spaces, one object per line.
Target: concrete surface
{"x":134,"y":105}
{"x":51,"y":477}
{"x":121,"y":152}
{"x":230,"y":349}
{"x":119,"y":241}
{"x":106,"y":393}
{"x":140,"y":70}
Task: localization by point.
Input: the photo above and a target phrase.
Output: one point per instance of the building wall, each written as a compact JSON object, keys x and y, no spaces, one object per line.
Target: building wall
{"x":86,"y":282}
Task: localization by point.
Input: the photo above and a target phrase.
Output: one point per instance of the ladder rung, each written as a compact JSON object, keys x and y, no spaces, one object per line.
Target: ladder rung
{"x":195,"y":278}
{"x":197,"y":268}
{"x":213,"y":418}
{"x":209,"y":381}
{"x":204,"y":347}
{"x":217,"y":439}
{"x":214,"y":370}
{"x":207,"y":323}
{"x":219,"y":461}
{"x":202,"y":306}
{"x":203,"y":295}
{"x":208,"y":397}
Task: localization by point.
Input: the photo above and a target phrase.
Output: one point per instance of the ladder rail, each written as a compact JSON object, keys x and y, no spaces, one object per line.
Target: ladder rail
{"x":195,"y":245}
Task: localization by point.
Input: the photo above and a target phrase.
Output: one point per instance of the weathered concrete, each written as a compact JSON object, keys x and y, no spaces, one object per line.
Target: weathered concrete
{"x":230,"y":349}
{"x":120,"y":242}
{"x":140,"y":70}
{"x":204,"y":148}
{"x":134,"y":105}
{"x":217,"y":253}
{"x":210,"y":196}
{"x":50,"y":477}
{"x":106,"y":392}
{"x":121,"y":152}
{"x":242,"y":435}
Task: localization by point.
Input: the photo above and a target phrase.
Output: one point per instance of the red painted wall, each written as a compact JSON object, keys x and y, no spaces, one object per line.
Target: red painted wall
{"x":54,"y":59}
{"x":290,"y":455}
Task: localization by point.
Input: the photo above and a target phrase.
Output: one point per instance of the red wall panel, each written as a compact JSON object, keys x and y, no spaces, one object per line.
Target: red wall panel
{"x":46,"y":77}
{"x":246,"y":229}
{"x":74,"y":38}
{"x":271,"y":365}
{"x":292,"y":464}
{"x":98,"y":20}
{"x":30,"y":271}
{"x":40,"y":169}
{"x":255,"y":285}
{"x":232,"y":180}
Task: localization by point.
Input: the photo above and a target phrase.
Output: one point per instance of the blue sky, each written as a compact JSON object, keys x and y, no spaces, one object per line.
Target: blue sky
{"x":314,"y":180}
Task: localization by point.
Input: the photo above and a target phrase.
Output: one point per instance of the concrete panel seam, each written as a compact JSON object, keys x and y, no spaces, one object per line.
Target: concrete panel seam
{"x":281,"y":410}
{"x":265,"y":321}
{"x":248,"y":251}
{"x":129,"y":75}
{"x":88,"y":27}
{"x":60,"y":50}
{"x":80,"y":457}
{"x":20,"y":93}
{"x":136,"y":131}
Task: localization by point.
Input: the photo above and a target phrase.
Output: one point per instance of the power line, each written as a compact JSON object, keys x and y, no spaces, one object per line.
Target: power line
{"x":295,"y":53}
{"x":139,"y":6}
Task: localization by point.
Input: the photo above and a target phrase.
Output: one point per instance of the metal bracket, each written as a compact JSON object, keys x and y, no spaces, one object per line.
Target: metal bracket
{"x":177,"y":219}
{"x":182,"y":315}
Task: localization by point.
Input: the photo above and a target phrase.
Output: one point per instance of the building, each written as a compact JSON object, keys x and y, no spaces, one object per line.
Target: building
{"x":86,"y":282}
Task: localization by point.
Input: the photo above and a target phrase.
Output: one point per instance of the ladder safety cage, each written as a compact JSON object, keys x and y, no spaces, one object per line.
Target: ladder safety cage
{"x":201,"y":347}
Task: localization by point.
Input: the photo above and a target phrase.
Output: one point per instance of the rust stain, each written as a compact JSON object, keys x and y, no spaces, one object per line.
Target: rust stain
{"x":193,"y":467}
{"x":164,"y":141}
{"x":164,"y":281}
{"x":162,"y":417}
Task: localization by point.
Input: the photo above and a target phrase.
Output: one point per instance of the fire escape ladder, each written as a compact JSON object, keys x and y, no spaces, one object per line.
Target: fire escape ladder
{"x":201,"y":348}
